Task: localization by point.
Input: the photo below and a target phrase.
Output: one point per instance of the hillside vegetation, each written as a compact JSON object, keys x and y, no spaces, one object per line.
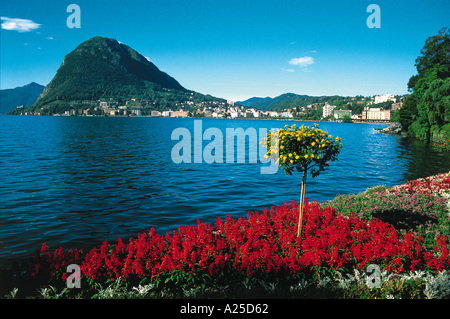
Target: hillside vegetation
{"x":426,"y":112}
{"x":103,"y":68}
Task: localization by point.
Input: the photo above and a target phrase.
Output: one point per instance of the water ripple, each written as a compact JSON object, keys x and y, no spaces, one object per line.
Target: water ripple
{"x":76,"y":181}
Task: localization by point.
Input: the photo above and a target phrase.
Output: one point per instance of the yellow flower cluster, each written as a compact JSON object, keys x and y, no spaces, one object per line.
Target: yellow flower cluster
{"x":301,"y":146}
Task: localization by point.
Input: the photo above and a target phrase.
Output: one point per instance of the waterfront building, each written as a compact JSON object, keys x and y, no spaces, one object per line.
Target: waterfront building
{"x":235,"y":114}
{"x":384,"y":98}
{"x":328,"y":109}
{"x":376,"y":114}
{"x":257,"y":114}
{"x":179,"y":114}
{"x":273,"y":114}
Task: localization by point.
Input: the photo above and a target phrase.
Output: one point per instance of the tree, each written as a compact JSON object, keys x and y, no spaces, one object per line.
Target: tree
{"x":347,"y":119}
{"x":408,"y":112}
{"x":433,"y":64}
{"x":436,"y":102}
{"x":435,"y":52}
{"x":422,"y":124}
{"x":304,"y":149}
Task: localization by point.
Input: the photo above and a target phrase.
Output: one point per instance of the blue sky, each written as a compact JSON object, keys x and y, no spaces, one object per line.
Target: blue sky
{"x":233,"y":49}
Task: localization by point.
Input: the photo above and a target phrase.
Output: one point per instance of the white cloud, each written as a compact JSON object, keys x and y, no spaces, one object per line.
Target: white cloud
{"x":20,"y":25}
{"x":50,"y":38}
{"x":304,"y":61}
{"x":288,"y":70}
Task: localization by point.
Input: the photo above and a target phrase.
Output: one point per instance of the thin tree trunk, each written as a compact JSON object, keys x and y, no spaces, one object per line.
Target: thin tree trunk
{"x":302,"y":200}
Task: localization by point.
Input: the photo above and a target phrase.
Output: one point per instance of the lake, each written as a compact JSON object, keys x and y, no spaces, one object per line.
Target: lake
{"x":77,"y":181}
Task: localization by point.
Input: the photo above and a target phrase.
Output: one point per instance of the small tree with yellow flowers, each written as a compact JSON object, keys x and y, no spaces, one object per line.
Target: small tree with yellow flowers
{"x":304,"y":149}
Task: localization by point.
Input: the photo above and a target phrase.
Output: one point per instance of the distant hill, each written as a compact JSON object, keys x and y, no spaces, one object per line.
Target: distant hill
{"x":295,"y":101}
{"x":265,"y":105}
{"x":304,"y":100}
{"x":252,"y":100}
{"x":103,"y":68}
{"x":24,"y":95}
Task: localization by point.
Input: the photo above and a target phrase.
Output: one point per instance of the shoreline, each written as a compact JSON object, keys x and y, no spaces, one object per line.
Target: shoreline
{"x":201,"y":118}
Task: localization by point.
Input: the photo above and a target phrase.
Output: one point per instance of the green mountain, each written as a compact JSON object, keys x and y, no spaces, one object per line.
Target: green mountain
{"x":304,"y":100}
{"x":299,"y":104}
{"x":249,"y":102}
{"x":265,"y":105}
{"x":24,"y":95}
{"x":103,"y":68}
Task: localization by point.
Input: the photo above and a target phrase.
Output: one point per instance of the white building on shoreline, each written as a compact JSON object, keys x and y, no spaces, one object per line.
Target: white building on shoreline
{"x":328,"y":110}
{"x":376,"y":114}
{"x":384,"y":98}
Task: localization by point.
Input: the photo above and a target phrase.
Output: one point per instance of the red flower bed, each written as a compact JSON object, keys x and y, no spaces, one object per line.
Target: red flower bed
{"x":260,"y":242}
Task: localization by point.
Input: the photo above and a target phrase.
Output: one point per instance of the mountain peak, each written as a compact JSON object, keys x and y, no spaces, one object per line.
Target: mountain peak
{"x":102,"y":67}
{"x":33,"y":84}
{"x":134,"y":62}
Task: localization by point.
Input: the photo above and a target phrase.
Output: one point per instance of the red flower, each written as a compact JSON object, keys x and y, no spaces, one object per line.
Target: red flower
{"x":261,"y":242}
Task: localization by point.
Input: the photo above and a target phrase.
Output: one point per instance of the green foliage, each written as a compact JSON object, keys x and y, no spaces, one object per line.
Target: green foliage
{"x":436,"y":102}
{"x":408,"y":113}
{"x":417,"y":285}
{"x":396,"y":116}
{"x":347,"y":119}
{"x":441,"y":136}
{"x":436,"y":51}
{"x":272,"y":104}
{"x":429,"y":103}
{"x":419,"y":129}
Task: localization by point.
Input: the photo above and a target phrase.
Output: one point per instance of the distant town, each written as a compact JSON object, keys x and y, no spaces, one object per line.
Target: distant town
{"x":230,"y":109}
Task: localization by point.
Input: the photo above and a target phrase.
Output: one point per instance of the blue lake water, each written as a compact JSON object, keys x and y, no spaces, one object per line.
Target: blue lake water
{"x":76,"y":181}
